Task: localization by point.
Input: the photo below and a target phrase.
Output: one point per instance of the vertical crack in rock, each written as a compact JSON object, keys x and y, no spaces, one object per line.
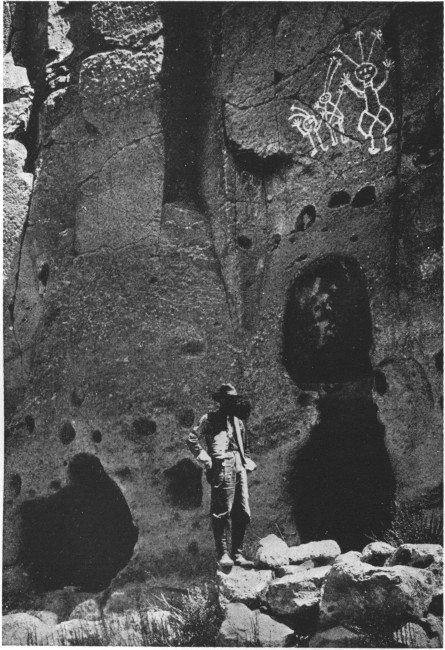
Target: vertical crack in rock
{"x":391,"y":37}
{"x":184,"y":74}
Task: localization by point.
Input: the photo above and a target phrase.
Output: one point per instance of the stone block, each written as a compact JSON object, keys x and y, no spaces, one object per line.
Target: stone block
{"x":355,"y":592}
{"x":321,"y":553}
{"x":243,"y":586}
{"x":272,"y":553}
{"x":245,"y":627}
{"x":297,"y":593}
{"x":377,"y":553}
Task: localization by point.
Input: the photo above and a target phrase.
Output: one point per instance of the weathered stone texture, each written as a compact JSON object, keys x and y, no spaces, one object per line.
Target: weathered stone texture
{"x":356,"y":593}
{"x":245,"y":627}
{"x":142,"y":304}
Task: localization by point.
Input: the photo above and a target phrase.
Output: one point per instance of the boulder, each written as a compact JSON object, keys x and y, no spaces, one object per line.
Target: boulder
{"x":272,"y":553}
{"x":76,"y":632}
{"x":49,"y":618}
{"x":411,"y":635}
{"x":377,"y":553}
{"x":129,"y":629}
{"x":242,"y":586}
{"x":88,"y":611}
{"x":433,"y":626}
{"x":335,"y":637}
{"x":23,"y":629}
{"x":290,"y":569}
{"x":421,"y":556}
{"x":320,"y":553}
{"x":296,"y":593}
{"x":243,"y":626}
{"x":355,"y":593}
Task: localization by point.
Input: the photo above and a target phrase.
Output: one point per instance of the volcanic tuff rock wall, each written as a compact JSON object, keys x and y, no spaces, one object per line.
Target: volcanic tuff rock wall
{"x":172,"y":209}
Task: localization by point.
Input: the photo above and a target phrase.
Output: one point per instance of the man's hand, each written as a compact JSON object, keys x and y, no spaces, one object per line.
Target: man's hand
{"x":204,"y":459}
{"x":250,"y":465}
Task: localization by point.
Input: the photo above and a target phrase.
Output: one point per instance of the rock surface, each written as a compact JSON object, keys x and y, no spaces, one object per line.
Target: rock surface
{"x":243,"y":586}
{"x":245,"y":627}
{"x":297,"y":593}
{"x":335,"y":637}
{"x":120,"y":286}
{"x":376,"y":553}
{"x":89,"y":610}
{"x":272,"y":553}
{"x":355,"y":592}
{"x":23,"y":629}
{"x":321,"y":553}
{"x":421,"y":556}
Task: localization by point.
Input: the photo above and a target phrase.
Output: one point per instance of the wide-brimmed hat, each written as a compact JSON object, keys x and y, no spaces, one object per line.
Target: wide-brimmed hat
{"x":225,"y":390}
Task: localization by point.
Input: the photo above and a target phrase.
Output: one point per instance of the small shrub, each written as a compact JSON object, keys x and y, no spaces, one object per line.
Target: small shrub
{"x":202,"y":617}
{"x":411,"y":524}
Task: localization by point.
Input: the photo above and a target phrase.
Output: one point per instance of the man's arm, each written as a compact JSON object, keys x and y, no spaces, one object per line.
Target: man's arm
{"x":194,"y":445}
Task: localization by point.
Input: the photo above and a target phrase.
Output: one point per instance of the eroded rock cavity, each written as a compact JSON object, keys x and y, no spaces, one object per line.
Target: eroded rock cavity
{"x":80,"y":536}
{"x":341,"y":480}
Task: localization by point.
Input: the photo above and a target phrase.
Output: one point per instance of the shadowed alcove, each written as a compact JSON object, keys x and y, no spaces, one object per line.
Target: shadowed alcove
{"x":82,"y":535}
{"x":340,"y":480}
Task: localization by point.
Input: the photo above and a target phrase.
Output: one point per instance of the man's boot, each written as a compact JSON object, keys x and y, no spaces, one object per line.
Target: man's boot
{"x":220,"y":533}
{"x":238,"y":532}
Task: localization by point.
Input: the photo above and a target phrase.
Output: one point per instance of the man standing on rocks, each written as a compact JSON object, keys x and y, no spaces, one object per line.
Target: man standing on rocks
{"x":226,"y":465}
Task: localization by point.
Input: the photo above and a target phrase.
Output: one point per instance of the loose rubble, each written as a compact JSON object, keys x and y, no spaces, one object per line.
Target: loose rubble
{"x":328,"y":599}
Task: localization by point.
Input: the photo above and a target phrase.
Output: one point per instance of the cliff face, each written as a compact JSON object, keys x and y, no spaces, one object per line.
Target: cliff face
{"x":182,"y":231}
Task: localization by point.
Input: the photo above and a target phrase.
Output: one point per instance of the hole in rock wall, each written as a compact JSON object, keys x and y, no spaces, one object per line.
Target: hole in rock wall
{"x":96,"y":436}
{"x":341,"y":480}
{"x":30,"y":423}
{"x":15,"y":483}
{"x":380,"y":382}
{"x":184,"y":487}
{"x":338,"y":199}
{"x":67,"y":433}
{"x":77,"y":396}
{"x":144,"y":426}
{"x":327,"y":323}
{"x":80,"y":536}
{"x":365,"y":196}
{"x":438,"y":360}
{"x":244,"y":242}
{"x":43,"y":274}
{"x":306,"y":218}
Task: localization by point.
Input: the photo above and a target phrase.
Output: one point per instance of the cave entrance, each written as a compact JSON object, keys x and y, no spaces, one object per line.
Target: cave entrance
{"x":341,"y":481}
{"x":82,"y":535}
{"x":327,"y":331}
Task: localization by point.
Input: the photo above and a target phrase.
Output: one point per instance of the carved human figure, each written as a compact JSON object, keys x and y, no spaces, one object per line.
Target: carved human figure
{"x":376,"y":119}
{"x":308,"y":126}
{"x":331,"y":115}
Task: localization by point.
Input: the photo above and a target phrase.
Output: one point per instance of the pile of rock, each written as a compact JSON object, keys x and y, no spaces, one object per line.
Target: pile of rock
{"x":314,"y":590}
{"x":310,"y":593}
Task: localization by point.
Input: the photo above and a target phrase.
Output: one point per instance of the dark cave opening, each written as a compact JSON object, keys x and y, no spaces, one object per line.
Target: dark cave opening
{"x":80,"y":536}
{"x":327,"y":323}
{"x":341,"y":482}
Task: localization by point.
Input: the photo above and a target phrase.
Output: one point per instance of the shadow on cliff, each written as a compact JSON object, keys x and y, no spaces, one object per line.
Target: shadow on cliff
{"x":81,"y":536}
{"x":341,"y":481}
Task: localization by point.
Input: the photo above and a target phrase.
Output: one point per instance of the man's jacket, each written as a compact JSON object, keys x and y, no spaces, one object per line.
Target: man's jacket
{"x":223,"y":435}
